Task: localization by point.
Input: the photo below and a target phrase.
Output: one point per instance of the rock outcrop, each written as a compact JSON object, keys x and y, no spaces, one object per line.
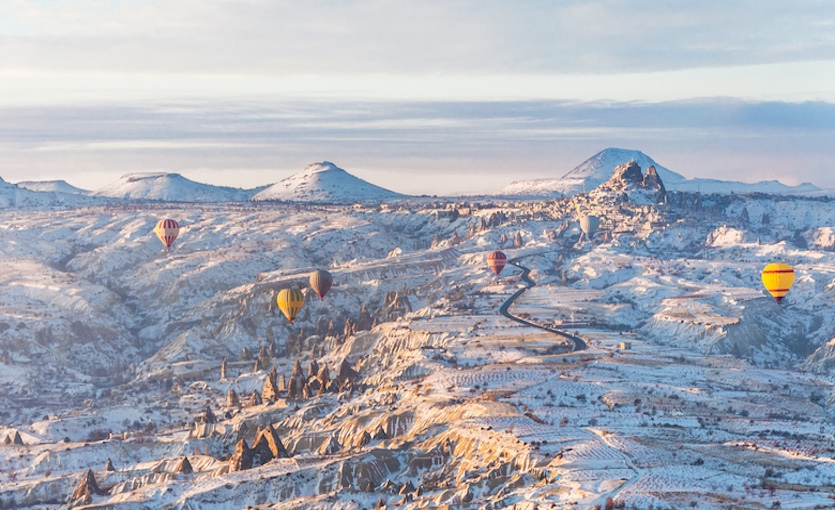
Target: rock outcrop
{"x":208,"y":416}
{"x":183,"y":467}
{"x":232,"y":399}
{"x":652,"y":180}
{"x":254,"y":399}
{"x":85,"y":490}
{"x":268,"y":446}
{"x":395,"y":306}
{"x":346,"y":376}
{"x":630,"y":183}
{"x":330,"y":447}
{"x":269,"y":393}
{"x":242,"y":458}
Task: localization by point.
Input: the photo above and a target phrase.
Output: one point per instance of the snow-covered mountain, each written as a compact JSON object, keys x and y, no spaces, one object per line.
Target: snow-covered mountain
{"x":325,"y":182}
{"x":58,"y":186}
{"x":598,"y":168}
{"x":14,"y":196}
{"x":169,"y":187}
{"x":589,"y":174}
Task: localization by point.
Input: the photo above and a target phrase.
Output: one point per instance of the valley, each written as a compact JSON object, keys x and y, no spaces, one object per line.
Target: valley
{"x":674,"y":381}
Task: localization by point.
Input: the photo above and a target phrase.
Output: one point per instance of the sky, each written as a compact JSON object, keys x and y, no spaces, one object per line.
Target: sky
{"x":435,"y":97}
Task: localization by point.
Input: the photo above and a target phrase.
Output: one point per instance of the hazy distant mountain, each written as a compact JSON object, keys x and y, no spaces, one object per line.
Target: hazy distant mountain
{"x":325,"y":182}
{"x":169,"y":187}
{"x":597,"y":169}
{"x":59,"y":186}
{"x":589,"y":174}
{"x":768,"y":187}
{"x":13,"y":196}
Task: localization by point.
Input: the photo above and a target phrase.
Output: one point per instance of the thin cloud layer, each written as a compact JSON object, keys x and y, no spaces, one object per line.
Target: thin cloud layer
{"x":420,"y":147}
{"x":399,"y":37}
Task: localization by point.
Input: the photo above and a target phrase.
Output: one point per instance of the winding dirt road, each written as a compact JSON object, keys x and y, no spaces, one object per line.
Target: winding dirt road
{"x":579,"y":343}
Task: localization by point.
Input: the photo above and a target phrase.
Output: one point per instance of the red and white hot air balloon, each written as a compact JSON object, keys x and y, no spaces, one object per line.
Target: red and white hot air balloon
{"x":167,"y":230}
{"x":496,"y":261}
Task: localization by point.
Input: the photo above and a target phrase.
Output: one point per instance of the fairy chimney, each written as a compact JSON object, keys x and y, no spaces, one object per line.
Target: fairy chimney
{"x":312,"y":370}
{"x":242,"y":458}
{"x":264,"y":356}
{"x":184,"y":467}
{"x":208,"y":416}
{"x":324,"y":376}
{"x":380,"y":433}
{"x":223,"y":370}
{"x":232,"y":399}
{"x":254,"y":399}
{"x":268,"y":446}
{"x":269,"y":393}
{"x":86,"y":489}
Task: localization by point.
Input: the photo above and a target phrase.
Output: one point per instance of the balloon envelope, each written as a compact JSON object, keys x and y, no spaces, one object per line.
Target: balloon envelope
{"x":589,"y":224}
{"x":778,"y":279}
{"x":320,"y":282}
{"x":496,"y":261}
{"x":167,"y":230}
{"x":290,"y":302}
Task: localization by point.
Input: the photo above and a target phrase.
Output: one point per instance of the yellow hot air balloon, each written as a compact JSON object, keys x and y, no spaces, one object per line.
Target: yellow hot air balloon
{"x":290,"y":301}
{"x":778,"y":279}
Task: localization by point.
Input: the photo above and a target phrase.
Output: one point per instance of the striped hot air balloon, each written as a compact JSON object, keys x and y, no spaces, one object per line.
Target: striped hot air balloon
{"x":778,"y":279}
{"x":290,"y":302}
{"x":167,"y":230}
{"x":496,"y":261}
{"x":320,"y":282}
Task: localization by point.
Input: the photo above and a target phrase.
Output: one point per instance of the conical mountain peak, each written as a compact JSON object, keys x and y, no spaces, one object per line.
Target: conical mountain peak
{"x":325,"y":182}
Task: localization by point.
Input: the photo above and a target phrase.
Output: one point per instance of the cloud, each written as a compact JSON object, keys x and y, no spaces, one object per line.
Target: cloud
{"x":430,"y":147}
{"x":492,"y":37}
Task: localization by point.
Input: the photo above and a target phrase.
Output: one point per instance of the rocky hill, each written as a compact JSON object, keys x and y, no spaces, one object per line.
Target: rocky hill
{"x":629,"y":183}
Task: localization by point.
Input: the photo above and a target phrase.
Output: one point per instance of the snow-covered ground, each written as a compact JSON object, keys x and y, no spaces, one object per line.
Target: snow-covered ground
{"x":696,"y":389}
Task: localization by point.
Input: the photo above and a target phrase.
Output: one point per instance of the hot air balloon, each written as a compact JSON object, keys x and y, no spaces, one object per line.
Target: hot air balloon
{"x":496,"y":261}
{"x":290,"y":301}
{"x":320,"y":282}
{"x":167,"y":230}
{"x":589,"y":224}
{"x":778,"y":279}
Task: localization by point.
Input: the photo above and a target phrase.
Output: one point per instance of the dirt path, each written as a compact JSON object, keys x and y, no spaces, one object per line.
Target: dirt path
{"x":579,"y":343}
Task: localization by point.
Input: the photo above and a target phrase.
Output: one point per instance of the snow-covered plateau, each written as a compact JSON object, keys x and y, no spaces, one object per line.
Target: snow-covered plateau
{"x":137,"y":378}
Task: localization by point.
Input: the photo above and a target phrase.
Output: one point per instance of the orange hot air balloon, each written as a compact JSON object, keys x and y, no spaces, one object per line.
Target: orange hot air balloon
{"x":321,"y":282}
{"x":496,"y":261}
{"x":778,"y":279}
{"x":290,"y":302}
{"x":167,"y":230}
